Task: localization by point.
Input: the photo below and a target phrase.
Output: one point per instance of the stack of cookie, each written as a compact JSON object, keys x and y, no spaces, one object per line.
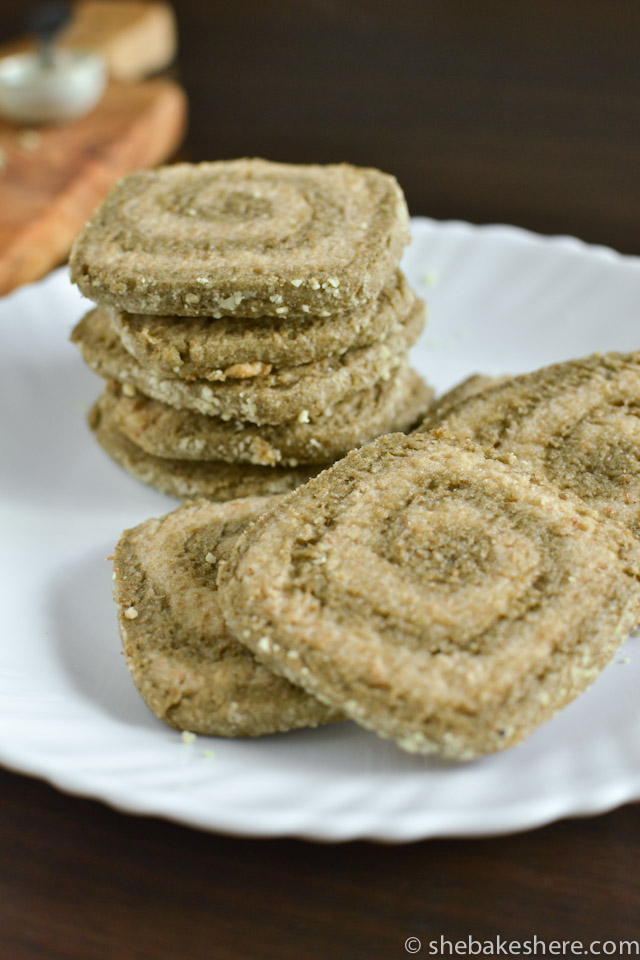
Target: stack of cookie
{"x":252,"y":324}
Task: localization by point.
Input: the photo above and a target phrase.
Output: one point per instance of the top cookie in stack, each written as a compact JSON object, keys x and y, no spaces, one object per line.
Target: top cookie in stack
{"x":248,"y":298}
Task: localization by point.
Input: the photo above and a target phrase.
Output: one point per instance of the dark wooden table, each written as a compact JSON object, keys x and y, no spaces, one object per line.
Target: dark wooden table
{"x":524,"y":111}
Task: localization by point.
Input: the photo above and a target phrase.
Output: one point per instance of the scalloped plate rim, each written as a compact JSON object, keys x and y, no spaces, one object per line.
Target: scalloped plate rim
{"x":421,"y":824}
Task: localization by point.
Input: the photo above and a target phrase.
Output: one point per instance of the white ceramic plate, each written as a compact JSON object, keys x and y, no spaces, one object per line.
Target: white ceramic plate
{"x":501,"y":300}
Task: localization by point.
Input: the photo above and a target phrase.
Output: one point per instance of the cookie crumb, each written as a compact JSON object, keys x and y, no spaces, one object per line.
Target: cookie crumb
{"x":243,"y":371}
{"x":188,"y":737}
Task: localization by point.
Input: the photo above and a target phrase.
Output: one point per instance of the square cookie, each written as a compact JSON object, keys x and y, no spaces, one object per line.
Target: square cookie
{"x":245,"y":238}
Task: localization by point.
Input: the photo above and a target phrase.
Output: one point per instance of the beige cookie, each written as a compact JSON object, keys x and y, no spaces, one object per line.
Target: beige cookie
{"x":279,"y":396}
{"x":205,"y":348}
{"x":436,"y":595}
{"x":478,"y":383}
{"x":578,"y":423}
{"x":186,"y":478}
{"x":158,"y":429}
{"x":245,"y":238}
{"x":184,"y":661}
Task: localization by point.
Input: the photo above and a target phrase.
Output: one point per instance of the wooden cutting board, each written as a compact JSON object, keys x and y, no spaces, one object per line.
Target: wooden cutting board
{"x":52,"y":178}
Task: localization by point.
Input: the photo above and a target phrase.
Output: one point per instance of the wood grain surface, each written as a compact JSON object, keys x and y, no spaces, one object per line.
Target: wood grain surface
{"x":524,"y":112}
{"x":54,"y":177}
{"x":81,"y":882}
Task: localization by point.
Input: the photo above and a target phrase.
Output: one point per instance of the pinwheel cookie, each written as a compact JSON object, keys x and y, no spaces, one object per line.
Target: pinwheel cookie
{"x":204,"y":348}
{"x":281,"y":395}
{"x":162,"y":431}
{"x":244,"y":238}
{"x":185,"y":663}
{"x":443,"y":598}
{"x":578,"y":423}
{"x":452,"y":399}
{"x":186,"y":479}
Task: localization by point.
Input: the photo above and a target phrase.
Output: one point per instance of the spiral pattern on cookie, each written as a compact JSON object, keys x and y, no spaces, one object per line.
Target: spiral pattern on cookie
{"x":244,"y":238}
{"x":577,"y":422}
{"x":185,"y":663}
{"x":438,"y":596}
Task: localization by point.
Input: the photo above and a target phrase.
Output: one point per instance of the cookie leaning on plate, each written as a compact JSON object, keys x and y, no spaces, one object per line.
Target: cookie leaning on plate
{"x":578,"y":423}
{"x":186,"y":665}
{"x":442,"y":598}
{"x":245,"y":238}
